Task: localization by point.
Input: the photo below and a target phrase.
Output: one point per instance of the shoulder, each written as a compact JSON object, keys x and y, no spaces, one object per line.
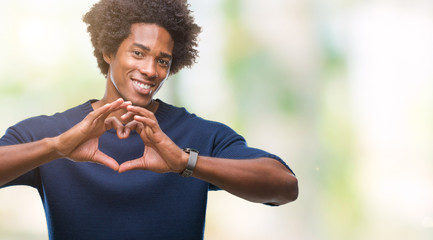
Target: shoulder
{"x":38,"y":127}
{"x":181,"y":117}
{"x":188,"y":129}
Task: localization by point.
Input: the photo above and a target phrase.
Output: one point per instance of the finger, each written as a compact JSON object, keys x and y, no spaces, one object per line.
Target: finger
{"x":141,"y":111}
{"x":103,"y":159}
{"x":153,"y":124}
{"x":132,"y":165}
{"x":117,"y":104}
{"x":134,"y":125}
{"x":113,"y":122}
{"x":114,"y":106}
{"x":104,"y":111}
{"x":98,"y":112}
{"x":127,"y":116}
{"x":126,"y":104}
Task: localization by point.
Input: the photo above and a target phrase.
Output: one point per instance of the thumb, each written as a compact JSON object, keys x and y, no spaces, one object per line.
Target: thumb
{"x":103,"y":159}
{"x":131,"y":165}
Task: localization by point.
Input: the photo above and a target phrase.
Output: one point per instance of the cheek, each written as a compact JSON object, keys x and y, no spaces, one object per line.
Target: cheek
{"x":164,"y":72}
{"x":116,"y":75}
{"x":122,"y":67}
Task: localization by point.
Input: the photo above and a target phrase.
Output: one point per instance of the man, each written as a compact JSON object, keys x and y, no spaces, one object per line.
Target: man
{"x":177,"y":156}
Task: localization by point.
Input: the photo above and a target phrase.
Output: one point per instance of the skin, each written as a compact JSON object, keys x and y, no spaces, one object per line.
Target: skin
{"x":145,"y":57}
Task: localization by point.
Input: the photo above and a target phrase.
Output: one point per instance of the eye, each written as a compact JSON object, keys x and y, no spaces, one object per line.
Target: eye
{"x":163,"y":62}
{"x":137,"y":53}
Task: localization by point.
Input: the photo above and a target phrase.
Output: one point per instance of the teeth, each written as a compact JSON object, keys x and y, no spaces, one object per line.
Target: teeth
{"x":142,"y":85}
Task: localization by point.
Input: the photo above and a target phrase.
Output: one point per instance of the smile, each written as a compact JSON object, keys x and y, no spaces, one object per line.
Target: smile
{"x":142,"y":85}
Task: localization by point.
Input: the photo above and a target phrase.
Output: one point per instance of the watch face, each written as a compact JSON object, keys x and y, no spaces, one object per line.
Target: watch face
{"x":188,"y":150}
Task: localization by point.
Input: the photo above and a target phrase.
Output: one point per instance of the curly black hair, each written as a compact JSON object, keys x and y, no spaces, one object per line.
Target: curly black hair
{"x":109,"y":23}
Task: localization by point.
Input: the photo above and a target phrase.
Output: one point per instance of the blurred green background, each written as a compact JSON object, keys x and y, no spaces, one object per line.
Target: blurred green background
{"x":340,"y":89}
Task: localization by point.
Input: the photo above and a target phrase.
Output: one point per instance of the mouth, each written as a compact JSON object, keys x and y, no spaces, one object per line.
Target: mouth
{"x":143,"y":88}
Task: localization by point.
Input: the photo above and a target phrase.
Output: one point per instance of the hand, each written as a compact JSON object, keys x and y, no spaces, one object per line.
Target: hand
{"x":161,"y":154}
{"x":80,"y":143}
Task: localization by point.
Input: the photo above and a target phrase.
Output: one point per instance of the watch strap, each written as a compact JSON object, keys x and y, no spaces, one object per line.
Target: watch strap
{"x":192,"y":161}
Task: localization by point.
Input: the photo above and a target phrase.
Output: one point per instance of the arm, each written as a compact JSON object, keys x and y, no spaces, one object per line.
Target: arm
{"x":262,"y":180}
{"x":16,"y":160}
{"x":80,"y":143}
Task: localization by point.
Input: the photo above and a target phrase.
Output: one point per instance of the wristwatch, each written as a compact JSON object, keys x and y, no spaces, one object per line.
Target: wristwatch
{"x":192,"y":161}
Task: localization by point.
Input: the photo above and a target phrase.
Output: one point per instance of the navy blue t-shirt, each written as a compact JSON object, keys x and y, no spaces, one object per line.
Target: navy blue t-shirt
{"x":91,"y":201}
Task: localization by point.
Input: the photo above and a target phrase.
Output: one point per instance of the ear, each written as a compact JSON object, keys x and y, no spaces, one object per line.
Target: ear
{"x":107,"y":57}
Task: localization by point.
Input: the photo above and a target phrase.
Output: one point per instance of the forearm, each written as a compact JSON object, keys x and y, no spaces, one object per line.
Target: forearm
{"x":262,"y":180}
{"x":16,"y":160}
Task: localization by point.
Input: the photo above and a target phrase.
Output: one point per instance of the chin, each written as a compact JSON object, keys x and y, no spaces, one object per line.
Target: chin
{"x":142,"y":102}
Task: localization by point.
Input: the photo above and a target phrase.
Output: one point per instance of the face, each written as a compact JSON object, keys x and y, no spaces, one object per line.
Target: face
{"x":141,"y":64}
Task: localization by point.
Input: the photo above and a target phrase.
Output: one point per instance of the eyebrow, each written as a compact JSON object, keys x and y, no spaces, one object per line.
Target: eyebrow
{"x":146,"y":48}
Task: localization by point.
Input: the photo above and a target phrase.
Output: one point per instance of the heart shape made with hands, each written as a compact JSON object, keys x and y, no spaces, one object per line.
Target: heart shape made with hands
{"x":123,"y":131}
{"x":81,"y":143}
{"x":154,"y":158}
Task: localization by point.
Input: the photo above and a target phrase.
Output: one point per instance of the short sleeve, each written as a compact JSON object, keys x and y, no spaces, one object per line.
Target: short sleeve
{"x":12,"y":137}
{"x":39,"y":127}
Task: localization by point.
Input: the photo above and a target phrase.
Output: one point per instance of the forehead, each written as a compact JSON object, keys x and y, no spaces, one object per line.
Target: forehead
{"x":152,"y":36}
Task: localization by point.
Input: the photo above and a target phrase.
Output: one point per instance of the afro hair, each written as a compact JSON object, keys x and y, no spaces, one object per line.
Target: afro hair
{"x":109,"y":23}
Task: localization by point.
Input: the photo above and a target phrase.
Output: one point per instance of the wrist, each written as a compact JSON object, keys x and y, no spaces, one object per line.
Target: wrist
{"x":51,"y":144}
{"x":55,"y":146}
{"x":58,"y":145}
{"x":184,"y":162}
{"x":192,"y":157}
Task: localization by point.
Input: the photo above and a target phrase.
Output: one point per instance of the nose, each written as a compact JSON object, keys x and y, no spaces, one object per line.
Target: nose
{"x":147,"y":67}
